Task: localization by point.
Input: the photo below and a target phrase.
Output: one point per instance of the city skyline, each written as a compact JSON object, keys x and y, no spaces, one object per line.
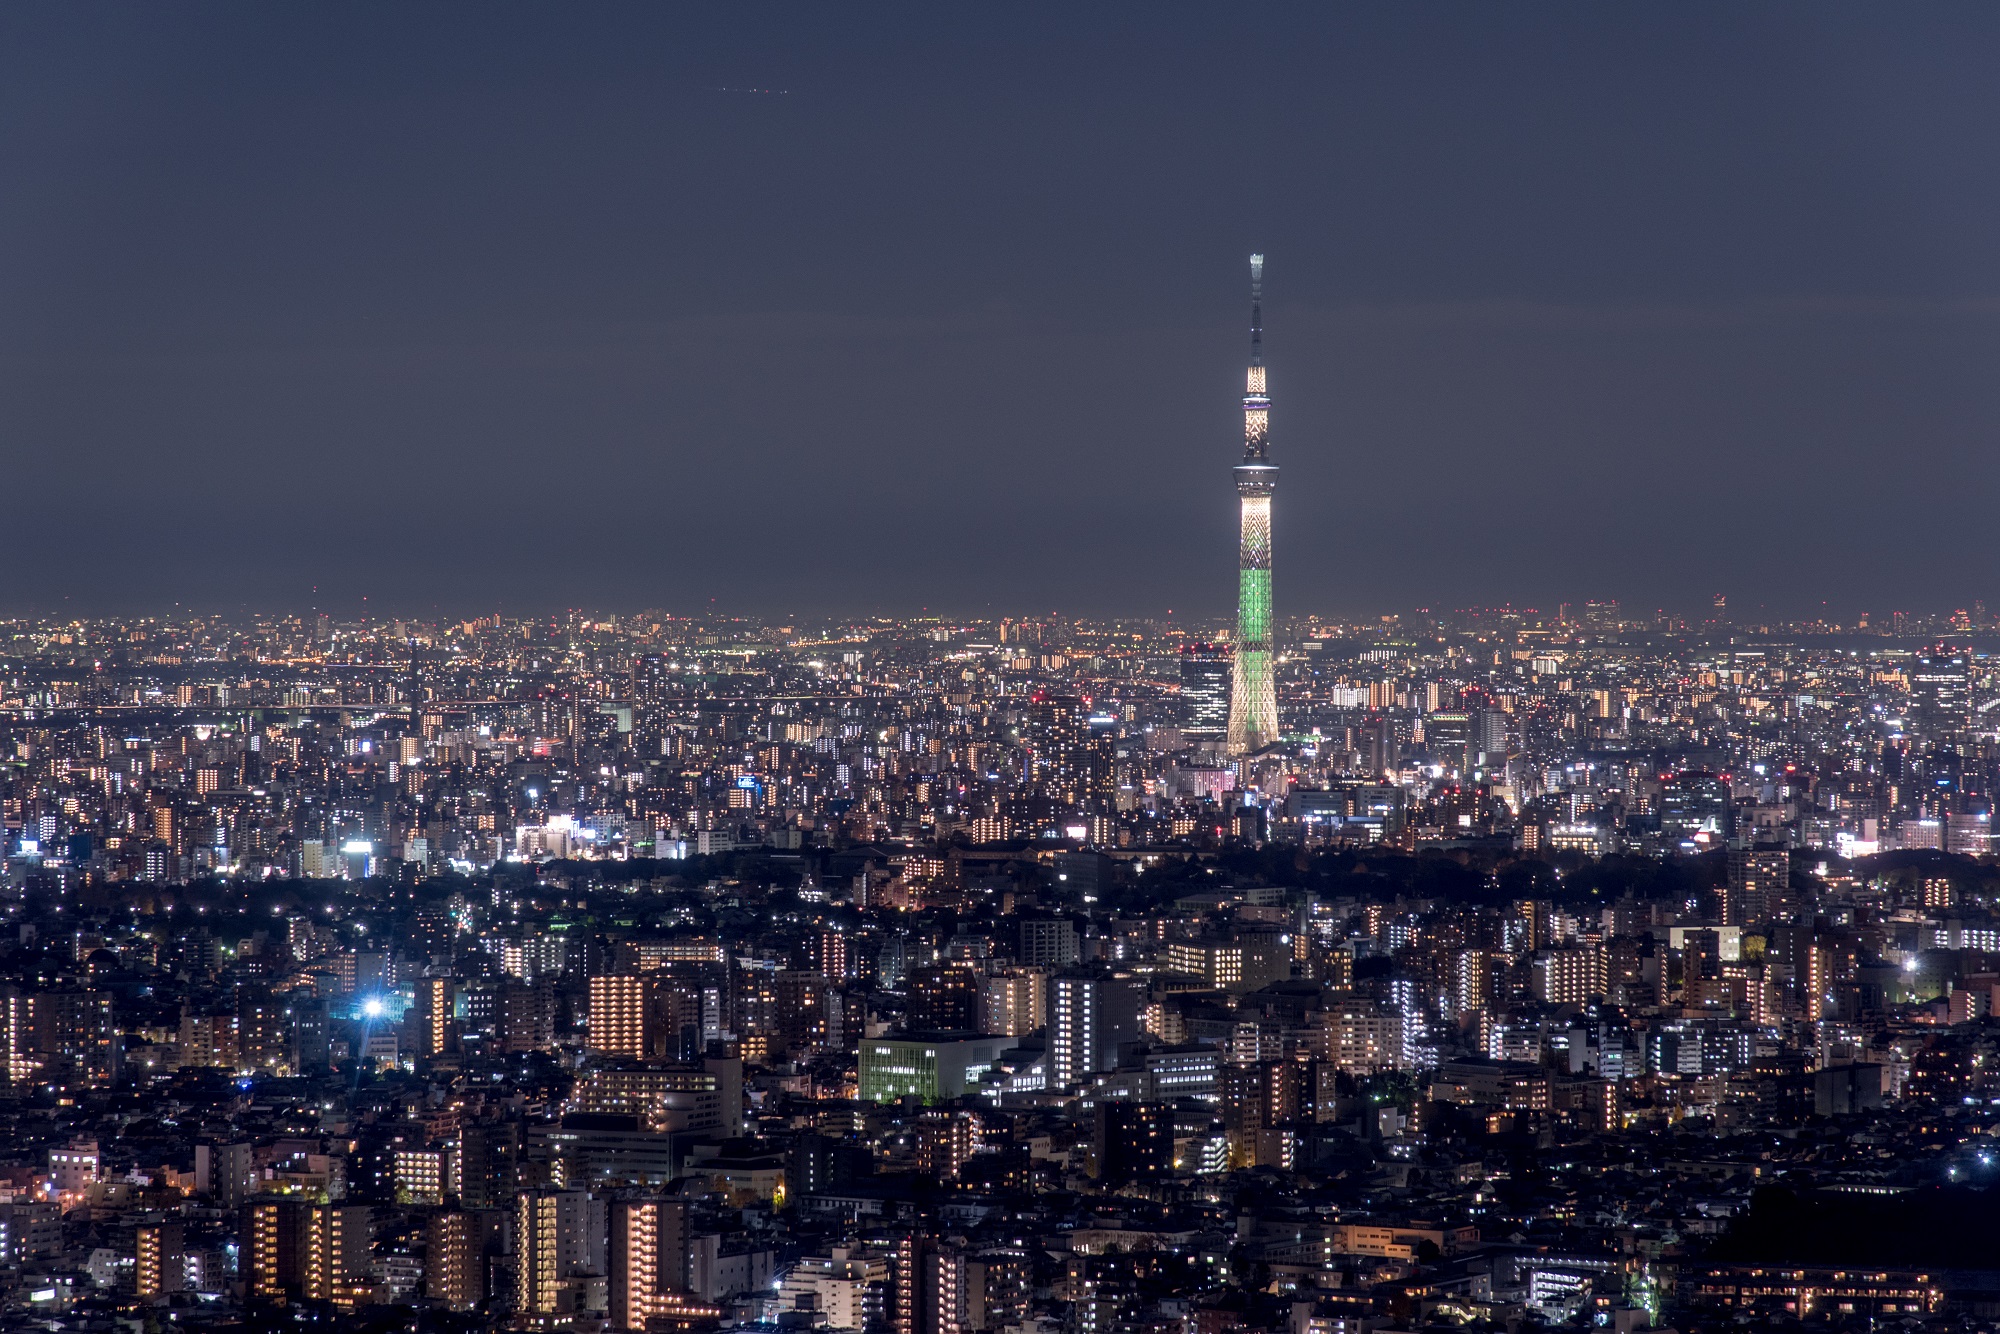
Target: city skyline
{"x":1694,"y":621}
{"x":625,"y":706}
{"x":616,"y":971}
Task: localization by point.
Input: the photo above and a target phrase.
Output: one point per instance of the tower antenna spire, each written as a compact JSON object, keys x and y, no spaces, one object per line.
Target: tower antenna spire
{"x":1256,"y":310}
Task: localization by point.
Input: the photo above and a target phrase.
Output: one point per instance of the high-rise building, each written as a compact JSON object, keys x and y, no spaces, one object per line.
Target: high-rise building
{"x":1940,"y":695}
{"x":436,"y":1031}
{"x":1205,"y":670}
{"x":1254,"y":961}
{"x":755,"y":1006}
{"x":1362,"y":1037}
{"x":830,"y":955}
{"x":809,"y":1013}
{"x":1048,"y":942}
{"x":689,"y":1010}
{"x":338,"y":1240}
{"x":678,"y":1098}
{"x":17,"y":1036}
{"x":1090,"y":1015}
{"x":263,"y":1037}
{"x":1490,"y":737}
{"x":1258,"y":1098}
{"x":526,"y":1017}
{"x":944,"y":1141}
{"x":1448,"y":736}
{"x":1133,"y":1139}
{"x":557,"y":1234}
{"x":1014,"y":1003}
{"x":159,"y":1265}
{"x":485,"y":1166}
{"x":537,"y":1257}
{"x":309,"y":1022}
{"x":421,"y":1175}
{"x":296,"y":1249}
{"x":454,"y":1262}
{"x":62,"y":1037}
{"x":1570,"y":976}
{"x":1760,"y":876}
{"x":1472,"y":980}
{"x":226,"y":1171}
{"x":208,"y":1039}
{"x":620,"y":1004}
{"x":944,"y":997}
{"x":1253,"y":696}
{"x":1696,"y":807}
{"x":30,"y":1229}
{"x":1098,"y":761}
{"x":930,"y":1288}
{"x":649,"y":1259}
{"x":270,"y":1248}
{"x":1057,"y":736}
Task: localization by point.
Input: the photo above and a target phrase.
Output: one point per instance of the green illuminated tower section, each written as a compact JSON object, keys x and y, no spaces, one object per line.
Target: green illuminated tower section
{"x":1253,"y":696}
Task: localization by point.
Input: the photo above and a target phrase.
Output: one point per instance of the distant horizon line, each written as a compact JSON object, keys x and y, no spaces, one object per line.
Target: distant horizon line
{"x":1581,"y":613}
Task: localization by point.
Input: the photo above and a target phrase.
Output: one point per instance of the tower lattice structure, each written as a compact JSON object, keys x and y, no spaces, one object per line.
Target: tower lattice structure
{"x":1253,"y":696}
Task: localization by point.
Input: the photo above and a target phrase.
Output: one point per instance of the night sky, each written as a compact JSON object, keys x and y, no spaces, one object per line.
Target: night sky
{"x":854,"y":309}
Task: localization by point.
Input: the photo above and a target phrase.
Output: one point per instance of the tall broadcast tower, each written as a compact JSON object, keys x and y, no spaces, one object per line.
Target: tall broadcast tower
{"x":1253,"y":696}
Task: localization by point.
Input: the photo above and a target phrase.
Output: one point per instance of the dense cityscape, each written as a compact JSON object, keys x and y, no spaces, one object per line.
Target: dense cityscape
{"x":385,"y":951}
{"x":929,"y":976}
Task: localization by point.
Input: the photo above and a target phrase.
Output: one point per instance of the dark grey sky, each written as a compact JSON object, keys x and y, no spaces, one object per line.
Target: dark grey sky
{"x":461,"y":304}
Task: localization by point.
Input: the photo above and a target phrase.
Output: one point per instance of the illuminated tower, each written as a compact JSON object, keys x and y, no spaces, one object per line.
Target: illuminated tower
{"x":1253,"y":696}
